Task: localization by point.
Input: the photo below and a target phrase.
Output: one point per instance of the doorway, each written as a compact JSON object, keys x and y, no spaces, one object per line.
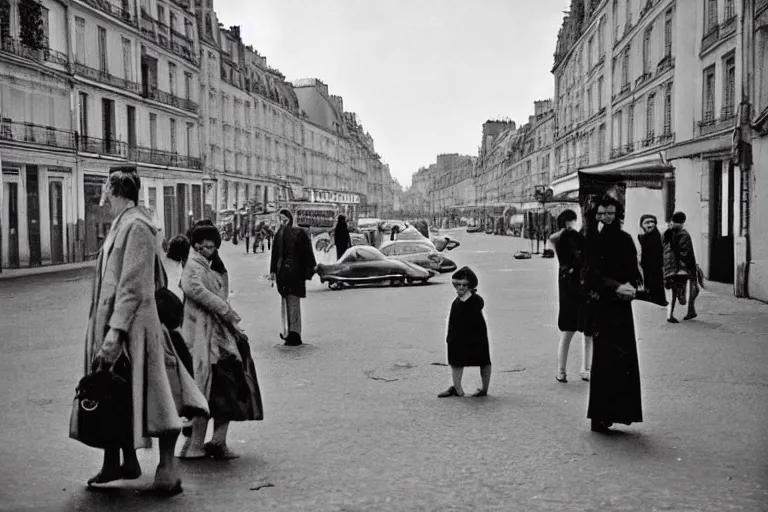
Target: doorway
{"x":33,"y":217}
{"x":97,"y":219}
{"x":11,"y":232}
{"x":721,"y":216}
{"x":56,"y":221}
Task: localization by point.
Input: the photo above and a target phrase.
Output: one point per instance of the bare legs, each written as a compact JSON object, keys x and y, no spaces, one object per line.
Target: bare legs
{"x":562,"y":355}
{"x":196,"y":448}
{"x":457,"y":372}
{"x":677,"y":293}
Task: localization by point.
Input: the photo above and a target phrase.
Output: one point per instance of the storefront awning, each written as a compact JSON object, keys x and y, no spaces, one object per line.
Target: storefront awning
{"x":697,"y":147}
{"x":647,"y":164}
{"x":565,"y":184}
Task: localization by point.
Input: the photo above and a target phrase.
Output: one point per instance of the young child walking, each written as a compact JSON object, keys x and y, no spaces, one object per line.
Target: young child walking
{"x":467,"y":334}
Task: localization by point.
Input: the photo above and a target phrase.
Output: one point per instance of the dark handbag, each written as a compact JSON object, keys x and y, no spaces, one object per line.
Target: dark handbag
{"x":103,"y":404}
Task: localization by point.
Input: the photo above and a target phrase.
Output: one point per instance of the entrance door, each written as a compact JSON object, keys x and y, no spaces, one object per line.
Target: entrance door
{"x":33,"y":217}
{"x":56,"y":221}
{"x":721,"y":223}
{"x":11,"y":212}
{"x":181,"y":201}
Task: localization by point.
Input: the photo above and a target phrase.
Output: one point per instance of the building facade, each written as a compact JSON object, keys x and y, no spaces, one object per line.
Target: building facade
{"x":87,"y":86}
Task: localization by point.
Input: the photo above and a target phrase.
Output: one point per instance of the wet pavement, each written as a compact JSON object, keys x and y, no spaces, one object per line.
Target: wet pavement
{"x":352,"y":418}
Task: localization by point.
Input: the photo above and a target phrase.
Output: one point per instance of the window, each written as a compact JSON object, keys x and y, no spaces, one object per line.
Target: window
{"x":600,"y":92}
{"x":172,"y":78}
{"x":650,"y":117}
{"x":625,"y":67}
{"x":172,"y":23}
{"x":710,"y":20}
{"x":630,"y":127}
{"x":619,"y":120}
{"x":127,"y":60}
{"x":80,"y":40}
{"x":190,"y":135}
{"x":188,"y":86}
{"x":709,"y":94}
{"x":668,"y":33}
{"x":729,"y":84}
{"x":601,"y":144}
{"x":730,"y":12}
{"x":647,"y":49}
{"x":615,"y":12}
{"x":173,"y":136}
{"x":668,"y":110}
{"x":188,"y":29}
{"x":600,"y":38}
{"x":131,"y":115}
{"x":153,"y":131}
{"x":103,"y":50}
{"x":590,"y":52}
{"x":83,"y":114}
{"x":161,"y":14}
{"x":628,"y":16}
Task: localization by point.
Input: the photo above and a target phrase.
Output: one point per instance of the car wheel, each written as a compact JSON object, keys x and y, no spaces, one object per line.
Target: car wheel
{"x":409,"y":280}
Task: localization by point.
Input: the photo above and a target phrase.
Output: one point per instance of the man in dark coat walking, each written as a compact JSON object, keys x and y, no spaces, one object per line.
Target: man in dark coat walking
{"x":292,"y":263}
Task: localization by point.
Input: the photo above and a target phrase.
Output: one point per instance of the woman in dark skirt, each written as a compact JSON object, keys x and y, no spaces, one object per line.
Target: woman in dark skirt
{"x":613,"y":276}
{"x":569,"y":247}
{"x":467,"y":334}
{"x":652,"y":260}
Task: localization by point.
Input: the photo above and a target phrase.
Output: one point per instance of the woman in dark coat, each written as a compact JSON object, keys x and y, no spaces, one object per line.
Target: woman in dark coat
{"x":612,"y":277}
{"x":569,"y":247}
{"x":652,"y":260}
{"x":341,"y":237}
{"x":292,"y":264}
{"x":467,"y":337}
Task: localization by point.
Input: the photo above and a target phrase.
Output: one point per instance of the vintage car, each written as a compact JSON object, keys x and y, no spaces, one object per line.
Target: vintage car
{"x":367,"y":265}
{"x":325,"y":248}
{"x":419,"y":252}
{"x":439,"y":242}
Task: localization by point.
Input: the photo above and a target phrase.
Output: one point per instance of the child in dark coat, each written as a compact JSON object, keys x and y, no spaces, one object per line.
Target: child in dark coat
{"x":467,"y":334}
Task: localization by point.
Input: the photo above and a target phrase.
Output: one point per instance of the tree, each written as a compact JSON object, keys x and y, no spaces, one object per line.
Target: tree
{"x":31,"y":28}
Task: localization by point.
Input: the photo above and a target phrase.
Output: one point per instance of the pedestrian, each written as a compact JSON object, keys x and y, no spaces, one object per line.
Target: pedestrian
{"x":467,"y":337}
{"x":680,"y":268}
{"x":341,"y":237}
{"x":175,"y":259}
{"x":652,"y":260}
{"x":125,"y":334}
{"x":247,"y":235}
{"x":292,"y":263}
{"x":569,"y":247}
{"x":612,"y":275}
{"x":220,"y":366}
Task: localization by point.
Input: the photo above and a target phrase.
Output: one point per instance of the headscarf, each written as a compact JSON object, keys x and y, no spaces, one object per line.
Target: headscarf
{"x":648,"y":216}
{"x":287,"y":213}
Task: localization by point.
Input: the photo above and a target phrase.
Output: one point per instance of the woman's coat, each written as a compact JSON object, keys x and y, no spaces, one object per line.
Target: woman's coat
{"x":292,"y":261}
{"x":124,"y":298}
{"x":206,"y":292}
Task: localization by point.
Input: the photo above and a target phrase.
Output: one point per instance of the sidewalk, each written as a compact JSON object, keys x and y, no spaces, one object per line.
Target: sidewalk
{"x":13,"y":273}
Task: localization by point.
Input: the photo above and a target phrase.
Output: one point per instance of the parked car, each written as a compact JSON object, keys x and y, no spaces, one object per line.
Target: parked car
{"x":367,"y":265}
{"x":325,"y":248}
{"x":420,"y":252}
{"x":440,"y":243}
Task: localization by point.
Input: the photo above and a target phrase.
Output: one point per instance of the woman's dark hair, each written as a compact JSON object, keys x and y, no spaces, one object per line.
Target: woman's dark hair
{"x":566,"y":216}
{"x":607,"y":201}
{"x":124,"y":182}
{"x":466,"y":274}
{"x":198,"y":223}
{"x":178,"y":248}
{"x":341,"y":222}
{"x":204,"y":232}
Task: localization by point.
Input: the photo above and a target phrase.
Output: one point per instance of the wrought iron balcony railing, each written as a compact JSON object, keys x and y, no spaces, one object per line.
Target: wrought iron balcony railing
{"x":642,"y":79}
{"x":121,"y":12}
{"x":106,"y":78}
{"x":41,"y":54}
{"x":36,"y":134}
{"x":169,"y":99}
{"x":164,"y":158}
{"x":109,"y":147}
{"x":711,"y":124}
{"x":710,"y":38}
{"x":728,"y":27}
{"x":668,"y":62}
{"x":666,"y":137}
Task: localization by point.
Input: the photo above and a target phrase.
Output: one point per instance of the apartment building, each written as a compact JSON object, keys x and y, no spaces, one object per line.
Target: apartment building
{"x":493,"y":158}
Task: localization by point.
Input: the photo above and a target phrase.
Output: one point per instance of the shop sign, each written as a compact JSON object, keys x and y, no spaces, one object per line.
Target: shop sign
{"x":327,"y":196}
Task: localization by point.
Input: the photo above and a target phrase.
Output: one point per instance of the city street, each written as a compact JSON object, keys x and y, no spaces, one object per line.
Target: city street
{"x":353,"y":423}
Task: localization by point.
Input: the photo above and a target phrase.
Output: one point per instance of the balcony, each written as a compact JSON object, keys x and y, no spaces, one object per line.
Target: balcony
{"x":728,"y":27}
{"x":709,"y":40}
{"x":710,"y":124}
{"x":629,"y":148}
{"x":183,"y":47}
{"x":42,"y":54}
{"x":36,"y":134}
{"x":642,"y":79}
{"x":666,"y":137}
{"x":760,"y":7}
{"x":646,"y":8}
{"x":164,"y":158}
{"x":121,"y":12}
{"x":147,"y":25}
{"x":583,"y":160}
{"x":169,"y":99}
{"x":617,"y":152}
{"x":648,"y":141}
{"x":105,"y":78}
{"x":668,"y":62}
{"x":109,"y":147}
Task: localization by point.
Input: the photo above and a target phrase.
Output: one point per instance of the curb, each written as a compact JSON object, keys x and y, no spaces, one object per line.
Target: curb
{"x":13,"y":273}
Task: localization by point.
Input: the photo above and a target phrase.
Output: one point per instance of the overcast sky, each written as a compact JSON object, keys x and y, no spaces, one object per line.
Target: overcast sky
{"x":422,"y":75}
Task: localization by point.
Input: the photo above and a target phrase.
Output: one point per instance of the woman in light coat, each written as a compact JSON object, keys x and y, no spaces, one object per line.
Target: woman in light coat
{"x":208,"y":328}
{"x":124,"y":329}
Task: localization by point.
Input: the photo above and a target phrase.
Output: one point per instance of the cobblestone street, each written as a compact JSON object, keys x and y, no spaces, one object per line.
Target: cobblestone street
{"x":353,"y":421}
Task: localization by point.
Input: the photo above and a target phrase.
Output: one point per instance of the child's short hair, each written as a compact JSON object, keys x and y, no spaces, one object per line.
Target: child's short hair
{"x":466,"y":274}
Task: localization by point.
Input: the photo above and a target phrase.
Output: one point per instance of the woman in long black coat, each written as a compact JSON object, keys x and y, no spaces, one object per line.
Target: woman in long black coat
{"x":341,"y":238}
{"x":569,"y":247}
{"x":612,"y":277}
{"x":292,"y":264}
{"x":652,"y":260}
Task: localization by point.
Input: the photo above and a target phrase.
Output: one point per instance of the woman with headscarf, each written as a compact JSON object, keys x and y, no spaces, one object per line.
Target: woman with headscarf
{"x":652,"y":260}
{"x":569,"y":247}
{"x":341,"y":237}
{"x":125,"y":337}
{"x":612,"y":277}
{"x":222,"y":366}
{"x":292,"y":263}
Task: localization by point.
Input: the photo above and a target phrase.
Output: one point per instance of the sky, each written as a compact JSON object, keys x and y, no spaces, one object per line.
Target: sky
{"x":422,"y":75}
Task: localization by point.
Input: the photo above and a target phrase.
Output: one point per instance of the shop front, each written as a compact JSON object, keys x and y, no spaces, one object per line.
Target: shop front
{"x":350,"y":204}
